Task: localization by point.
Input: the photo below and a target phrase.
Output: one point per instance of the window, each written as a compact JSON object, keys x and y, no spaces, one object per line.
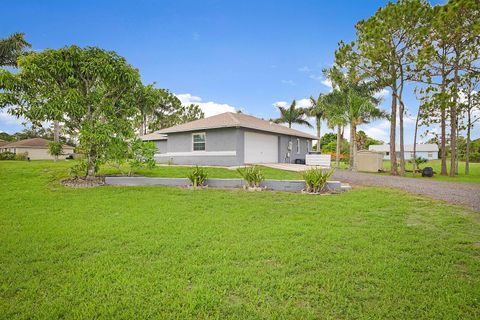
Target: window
{"x":298,"y":145}
{"x":430,"y":155}
{"x":199,"y":141}
{"x":387,"y":153}
{"x":308,"y":146}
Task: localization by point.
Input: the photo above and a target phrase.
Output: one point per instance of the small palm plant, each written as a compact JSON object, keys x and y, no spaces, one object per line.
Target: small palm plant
{"x":316,"y":179}
{"x":253,"y":176}
{"x":197,"y":177}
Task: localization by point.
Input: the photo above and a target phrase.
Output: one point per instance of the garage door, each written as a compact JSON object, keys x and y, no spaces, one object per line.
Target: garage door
{"x":261,"y":148}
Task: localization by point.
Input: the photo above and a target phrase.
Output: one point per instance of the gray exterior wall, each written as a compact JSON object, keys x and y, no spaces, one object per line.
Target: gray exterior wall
{"x":179,"y":148}
{"x":221,"y":148}
{"x":161,"y":146}
{"x":283,"y":149}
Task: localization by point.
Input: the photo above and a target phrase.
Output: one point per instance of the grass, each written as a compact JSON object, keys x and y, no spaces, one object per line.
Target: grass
{"x":473,"y":177}
{"x":161,"y":252}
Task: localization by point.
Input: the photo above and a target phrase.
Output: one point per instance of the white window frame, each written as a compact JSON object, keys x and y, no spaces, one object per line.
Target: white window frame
{"x":193,"y":141}
{"x":430,"y":155}
{"x":298,"y":145}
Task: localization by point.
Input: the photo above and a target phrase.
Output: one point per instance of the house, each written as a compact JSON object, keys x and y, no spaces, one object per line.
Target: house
{"x":36,"y":149}
{"x":230,"y":139}
{"x":426,"y":151}
{"x":3,"y":142}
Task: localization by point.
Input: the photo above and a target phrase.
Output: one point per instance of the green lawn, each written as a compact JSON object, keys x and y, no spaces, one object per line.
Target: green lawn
{"x":473,"y":177}
{"x":167,"y":252}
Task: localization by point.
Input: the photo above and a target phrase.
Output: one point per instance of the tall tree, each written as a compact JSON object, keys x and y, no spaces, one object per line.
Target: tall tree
{"x":11,"y":48}
{"x":91,"y":91}
{"x":388,"y":41}
{"x":317,"y":110}
{"x":293,"y":115}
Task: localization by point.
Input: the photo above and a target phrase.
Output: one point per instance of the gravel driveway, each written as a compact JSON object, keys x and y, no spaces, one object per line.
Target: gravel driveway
{"x":467,"y":194}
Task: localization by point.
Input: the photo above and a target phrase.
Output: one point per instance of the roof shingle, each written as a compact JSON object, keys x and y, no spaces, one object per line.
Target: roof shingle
{"x":230,"y":119}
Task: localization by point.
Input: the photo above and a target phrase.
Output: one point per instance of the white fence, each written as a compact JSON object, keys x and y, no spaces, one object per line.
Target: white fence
{"x":321,"y":160}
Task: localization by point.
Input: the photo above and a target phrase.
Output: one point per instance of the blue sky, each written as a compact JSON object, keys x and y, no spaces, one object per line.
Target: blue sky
{"x":223,"y":55}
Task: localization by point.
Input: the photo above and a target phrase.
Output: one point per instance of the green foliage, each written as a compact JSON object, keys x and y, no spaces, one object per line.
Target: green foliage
{"x":22,"y":156}
{"x":197,"y":176}
{"x":11,"y":48}
{"x":78,"y":169}
{"x":293,"y":115}
{"x":55,"y":148}
{"x":316,"y":179}
{"x":253,"y":176}
{"x":91,"y":91}
{"x":7,"y":155}
{"x":130,"y":156}
{"x":418,"y":161}
{"x":327,"y":138}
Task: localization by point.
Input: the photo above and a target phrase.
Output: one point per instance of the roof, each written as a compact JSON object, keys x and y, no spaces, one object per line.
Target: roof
{"x":230,"y":119}
{"x":154,"y":136}
{"x":3,"y":142}
{"x":31,"y":143}
{"x":408,"y":147}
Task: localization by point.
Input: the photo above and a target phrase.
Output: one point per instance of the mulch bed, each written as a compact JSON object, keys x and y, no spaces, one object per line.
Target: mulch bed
{"x":84,"y":183}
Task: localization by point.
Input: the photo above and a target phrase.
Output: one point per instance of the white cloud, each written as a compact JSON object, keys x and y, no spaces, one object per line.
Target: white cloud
{"x":289,"y":82}
{"x":210,"y":108}
{"x":382,"y":94}
{"x":304,"y":103}
{"x":328,"y":83}
{"x":304,"y":69}
{"x":8,"y":119}
{"x":315,"y":77}
{"x":282,"y":104}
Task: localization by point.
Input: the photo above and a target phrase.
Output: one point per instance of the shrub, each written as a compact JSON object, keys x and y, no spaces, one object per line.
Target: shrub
{"x":316,"y":179}
{"x":418,"y":161}
{"x":252,"y":176}
{"x":21,"y":156}
{"x":79,"y":169}
{"x":197,"y":177}
{"x":130,"y":156}
{"x":55,"y":148}
{"x":7,"y":155}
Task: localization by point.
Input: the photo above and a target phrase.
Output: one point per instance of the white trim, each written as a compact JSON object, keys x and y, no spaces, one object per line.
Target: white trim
{"x":197,"y":154}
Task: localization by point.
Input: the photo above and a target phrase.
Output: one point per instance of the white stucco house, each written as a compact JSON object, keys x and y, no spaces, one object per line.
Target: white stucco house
{"x":426,"y":151}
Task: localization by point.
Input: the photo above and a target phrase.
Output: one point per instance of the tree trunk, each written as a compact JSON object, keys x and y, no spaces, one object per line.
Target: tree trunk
{"x":91,"y":164}
{"x":338,"y":150}
{"x":353,"y":147}
{"x":443,"y":143}
{"x":56,"y":135}
{"x":319,"y":124}
{"x":467,"y":151}
{"x":393,"y":126}
{"x":402,"y":146}
{"x":453,"y":126}
{"x":414,"y":163}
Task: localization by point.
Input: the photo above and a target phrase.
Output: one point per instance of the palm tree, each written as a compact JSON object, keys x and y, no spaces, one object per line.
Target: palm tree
{"x":292,"y":115}
{"x":360,"y":108}
{"x":11,"y":48}
{"x":335,"y":115}
{"x":318,"y":110}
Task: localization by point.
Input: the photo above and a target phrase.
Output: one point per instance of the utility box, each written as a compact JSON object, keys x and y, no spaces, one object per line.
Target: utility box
{"x":369,"y":161}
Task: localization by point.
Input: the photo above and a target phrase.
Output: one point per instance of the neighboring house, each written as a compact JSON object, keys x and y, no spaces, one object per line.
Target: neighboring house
{"x":426,"y":151}
{"x":3,"y":142}
{"x":230,"y":139}
{"x":36,"y":148}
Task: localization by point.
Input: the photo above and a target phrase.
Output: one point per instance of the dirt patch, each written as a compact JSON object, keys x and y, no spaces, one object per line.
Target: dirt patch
{"x":84,"y":183}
